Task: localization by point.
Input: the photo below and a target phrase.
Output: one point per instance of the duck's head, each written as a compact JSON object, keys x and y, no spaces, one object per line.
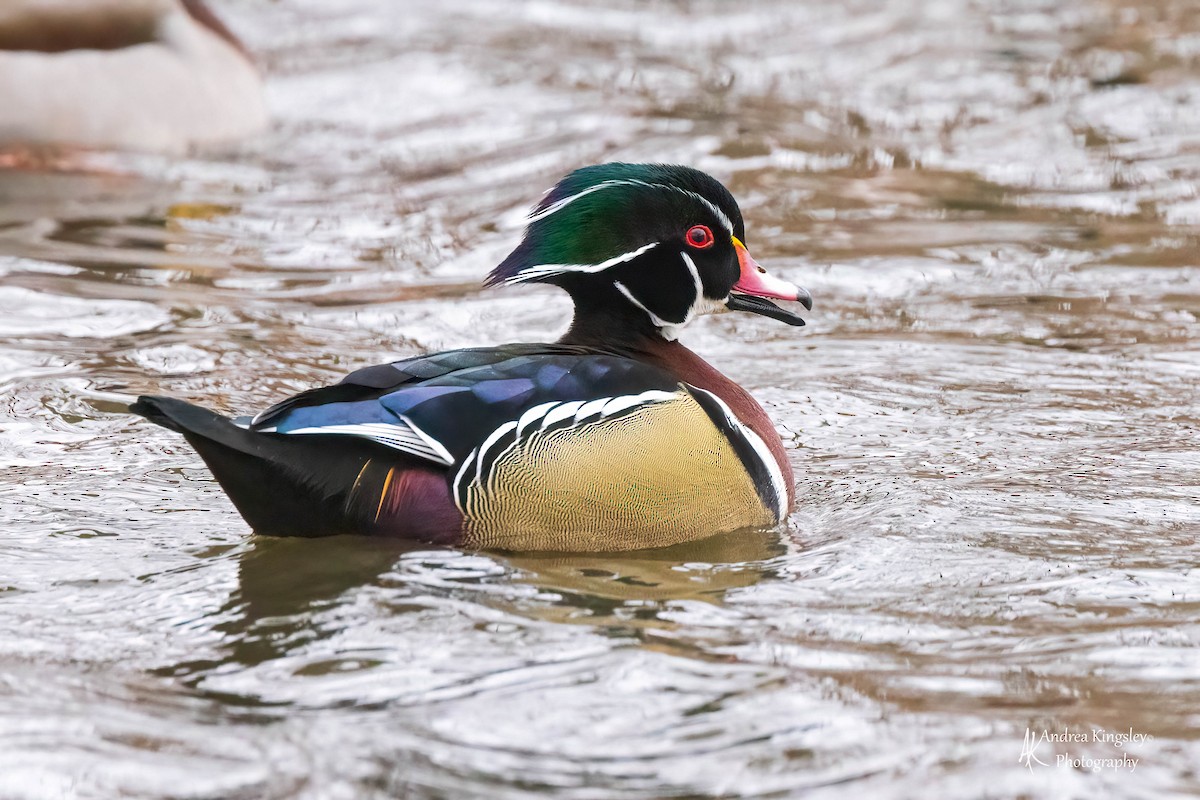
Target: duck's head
{"x":651,"y":242}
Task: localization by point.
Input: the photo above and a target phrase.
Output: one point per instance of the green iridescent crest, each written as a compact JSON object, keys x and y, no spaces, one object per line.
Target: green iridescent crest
{"x":604,"y":215}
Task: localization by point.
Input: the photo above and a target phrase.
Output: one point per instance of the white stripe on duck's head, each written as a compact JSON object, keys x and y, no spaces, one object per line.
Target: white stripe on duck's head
{"x":668,"y":240}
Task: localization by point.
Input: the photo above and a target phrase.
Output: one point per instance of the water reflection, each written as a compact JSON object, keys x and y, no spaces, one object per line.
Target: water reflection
{"x":289,"y":590}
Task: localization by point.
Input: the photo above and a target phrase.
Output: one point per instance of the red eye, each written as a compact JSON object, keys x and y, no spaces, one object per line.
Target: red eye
{"x":700,"y":237}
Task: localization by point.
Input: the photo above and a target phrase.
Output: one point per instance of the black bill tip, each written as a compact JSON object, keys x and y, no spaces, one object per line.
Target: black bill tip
{"x":803,"y":297}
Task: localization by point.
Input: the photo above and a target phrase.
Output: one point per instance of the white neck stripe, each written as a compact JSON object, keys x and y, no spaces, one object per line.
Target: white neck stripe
{"x":655,"y":318}
{"x":699,"y":305}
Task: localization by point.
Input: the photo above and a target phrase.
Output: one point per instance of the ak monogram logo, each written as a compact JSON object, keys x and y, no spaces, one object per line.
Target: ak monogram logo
{"x":1029,"y":750}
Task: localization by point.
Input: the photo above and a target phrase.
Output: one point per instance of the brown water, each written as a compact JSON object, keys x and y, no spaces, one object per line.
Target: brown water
{"x":993,"y":415}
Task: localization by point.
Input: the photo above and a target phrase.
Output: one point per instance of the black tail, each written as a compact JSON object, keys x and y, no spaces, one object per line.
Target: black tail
{"x":282,"y":485}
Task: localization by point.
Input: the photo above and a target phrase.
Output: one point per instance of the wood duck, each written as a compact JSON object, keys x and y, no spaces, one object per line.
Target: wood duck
{"x":615,"y":437}
{"x":147,"y":75}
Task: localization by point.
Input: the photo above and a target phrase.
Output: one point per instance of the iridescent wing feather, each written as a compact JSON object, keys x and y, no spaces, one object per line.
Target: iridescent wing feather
{"x":446,"y":406}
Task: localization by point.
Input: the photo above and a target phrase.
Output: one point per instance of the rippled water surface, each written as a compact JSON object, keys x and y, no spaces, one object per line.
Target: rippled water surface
{"x":994,"y":415}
